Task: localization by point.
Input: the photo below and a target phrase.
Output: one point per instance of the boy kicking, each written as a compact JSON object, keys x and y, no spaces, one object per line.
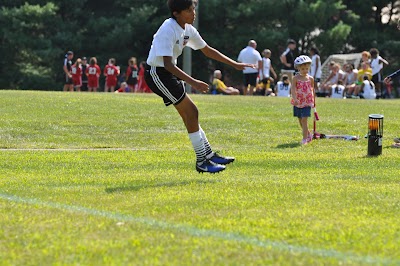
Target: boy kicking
{"x":164,"y":77}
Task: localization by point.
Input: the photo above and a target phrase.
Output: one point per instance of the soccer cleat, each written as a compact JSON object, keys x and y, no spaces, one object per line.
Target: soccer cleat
{"x":218,"y":159}
{"x":208,"y":166}
{"x":304,"y":141}
{"x":396,"y":140}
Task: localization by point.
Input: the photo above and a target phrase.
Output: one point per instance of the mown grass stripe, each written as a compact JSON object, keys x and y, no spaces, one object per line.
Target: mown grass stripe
{"x":198,"y":232}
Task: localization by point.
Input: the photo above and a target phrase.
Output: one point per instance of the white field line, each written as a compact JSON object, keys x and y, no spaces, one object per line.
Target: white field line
{"x":80,"y":149}
{"x":346,"y":257}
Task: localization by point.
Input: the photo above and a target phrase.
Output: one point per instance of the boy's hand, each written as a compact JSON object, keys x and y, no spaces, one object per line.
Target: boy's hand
{"x":387,"y":80}
{"x":241,"y":66}
{"x":200,"y":86}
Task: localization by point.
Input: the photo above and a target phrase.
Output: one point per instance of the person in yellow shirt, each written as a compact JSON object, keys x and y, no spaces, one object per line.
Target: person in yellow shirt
{"x":220,"y":85}
{"x":365,"y":70}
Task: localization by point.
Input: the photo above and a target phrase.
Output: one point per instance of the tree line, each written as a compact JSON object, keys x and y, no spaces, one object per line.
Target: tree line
{"x":35,"y":35}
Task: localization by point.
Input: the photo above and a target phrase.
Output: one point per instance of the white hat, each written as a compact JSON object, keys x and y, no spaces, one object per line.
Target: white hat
{"x":302,"y":59}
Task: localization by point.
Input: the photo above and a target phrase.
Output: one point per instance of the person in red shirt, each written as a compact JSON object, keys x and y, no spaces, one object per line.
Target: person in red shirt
{"x":93,"y":73}
{"x":76,"y":72}
{"x":131,"y":76}
{"x":142,"y":85}
{"x":111,"y":72}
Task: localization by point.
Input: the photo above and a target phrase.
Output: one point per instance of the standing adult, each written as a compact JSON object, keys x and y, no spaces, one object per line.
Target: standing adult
{"x":68,"y":83}
{"x":250,"y":55}
{"x":287,"y":59}
{"x":84,"y":66}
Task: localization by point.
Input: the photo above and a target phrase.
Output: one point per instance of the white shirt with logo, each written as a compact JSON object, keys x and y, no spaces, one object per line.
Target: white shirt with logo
{"x":337,"y":91}
{"x":283,"y":89}
{"x":170,"y":39}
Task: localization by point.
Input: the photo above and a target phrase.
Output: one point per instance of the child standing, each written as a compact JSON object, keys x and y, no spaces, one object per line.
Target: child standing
{"x":93,"y":73}
{"x":76,"y":71}
{"x":165,"y":78}
{"x":131,"y":76}
{"x":315,"y":69}
{"x":111,"y":72}
{"x":303,"y":95}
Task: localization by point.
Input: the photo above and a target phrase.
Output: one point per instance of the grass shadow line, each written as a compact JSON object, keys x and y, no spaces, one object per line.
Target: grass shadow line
{"x":165,"y":184}
{"x":288,"y":145}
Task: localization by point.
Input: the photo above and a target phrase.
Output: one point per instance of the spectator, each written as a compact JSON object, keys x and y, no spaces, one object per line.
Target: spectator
{"x":302,"y":93}
{"x":131,"y":76}
{"x":220,"y":85}
{"x":335,"y":75}
{"x":350,"y":79}
{"x":250,"y":55}
{"x":84,"y":76}
{"x":367,"y":89}
{"x":365,"y":58}
{"x":337,"y":90}
{"x":142,"y":85}
{"x":76,"y":71}
{"x":365,"y":70}
{"x":283,"y":87}
{"x":68,"y":85}
{"x":315,"y":70}
{"x":287,"y":59}
{"x":123,"y":88}
{"x":377,"y":63}
{"x":93,"y":73}
{"x":111,"y":72}
{"x":266,"y":67}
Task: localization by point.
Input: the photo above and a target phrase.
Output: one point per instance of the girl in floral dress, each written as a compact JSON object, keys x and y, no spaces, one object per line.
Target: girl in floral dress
{"x":302,"y":91}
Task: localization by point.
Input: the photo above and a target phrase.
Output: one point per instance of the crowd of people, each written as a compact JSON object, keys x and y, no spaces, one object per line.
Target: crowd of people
{"x":348,"y":81}
{"x":83,"y":76}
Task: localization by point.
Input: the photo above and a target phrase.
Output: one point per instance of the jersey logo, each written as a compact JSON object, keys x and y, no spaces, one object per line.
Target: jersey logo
{"x":185,"y":40}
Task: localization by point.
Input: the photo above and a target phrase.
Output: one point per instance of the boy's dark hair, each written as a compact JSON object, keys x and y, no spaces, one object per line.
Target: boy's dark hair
{"x":179,"y":5}
{"x":374,"y":51}
{"x":315,"y":50}
{"x":112,"y":60}
{"x":285,"y":77}
{"x":291,"y":41}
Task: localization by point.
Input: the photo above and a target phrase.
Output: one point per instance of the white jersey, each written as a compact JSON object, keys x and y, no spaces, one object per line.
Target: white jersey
{"x":376,"y":65}
{"x":369,"y":90}
{"x":251,"y":56}
{"x":337,"y":91}
{"x":315,"y":69}
{"x":283,"y":89}
{"x":170,"y":39}
{"x":265,"y":71}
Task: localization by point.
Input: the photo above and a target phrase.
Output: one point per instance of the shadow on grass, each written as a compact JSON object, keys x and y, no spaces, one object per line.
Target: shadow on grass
{"x":288,"y":145}
{"x":165,"y":184}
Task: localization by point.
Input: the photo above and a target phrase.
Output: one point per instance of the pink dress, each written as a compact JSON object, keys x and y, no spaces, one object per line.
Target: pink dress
{"x":304,"y":92}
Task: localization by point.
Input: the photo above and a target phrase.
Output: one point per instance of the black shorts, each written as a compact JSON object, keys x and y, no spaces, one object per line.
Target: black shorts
{"x":165,"y":85}
{"x":250,"y":78}
{"x":68,"y":80}
{"x":377,"y":78}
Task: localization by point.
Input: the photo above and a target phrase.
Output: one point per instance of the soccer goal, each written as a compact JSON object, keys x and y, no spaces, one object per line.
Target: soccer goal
{"x":342,"y":59}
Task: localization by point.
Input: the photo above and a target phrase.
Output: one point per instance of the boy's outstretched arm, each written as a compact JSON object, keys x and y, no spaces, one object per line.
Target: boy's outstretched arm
{"x":217,"y":55}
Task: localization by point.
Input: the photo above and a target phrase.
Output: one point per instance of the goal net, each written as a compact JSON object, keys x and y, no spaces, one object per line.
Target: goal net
{"x":341,"y":59}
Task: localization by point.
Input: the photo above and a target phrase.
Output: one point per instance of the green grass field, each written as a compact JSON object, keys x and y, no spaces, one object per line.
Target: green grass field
{"x":109,"y":179}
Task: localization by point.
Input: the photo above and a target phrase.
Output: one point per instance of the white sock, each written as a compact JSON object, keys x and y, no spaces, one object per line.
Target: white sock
{"x":198,"y":146}
{"x":209,"y":152}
